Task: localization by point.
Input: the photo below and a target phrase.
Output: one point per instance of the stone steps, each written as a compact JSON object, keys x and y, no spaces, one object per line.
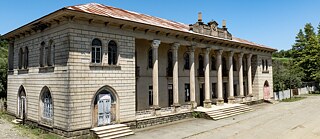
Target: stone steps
{"x":228,"y":112}
{"x":112,"y":131}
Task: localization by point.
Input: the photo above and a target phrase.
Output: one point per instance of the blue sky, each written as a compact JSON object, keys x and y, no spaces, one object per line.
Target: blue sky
{"x":274,"y":23}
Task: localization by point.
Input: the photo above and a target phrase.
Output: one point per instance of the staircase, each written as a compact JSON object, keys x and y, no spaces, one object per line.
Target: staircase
{"x":112,"y":131}
{"x":220,"y":112}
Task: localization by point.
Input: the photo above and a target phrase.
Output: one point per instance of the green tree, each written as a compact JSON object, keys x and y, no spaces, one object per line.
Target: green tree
{"x":3,"y":67}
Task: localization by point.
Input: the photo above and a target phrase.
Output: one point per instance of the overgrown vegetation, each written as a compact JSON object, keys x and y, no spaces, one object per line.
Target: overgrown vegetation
{"x":3,"y":67}
{"x":299,"y":64}
{"x":293,"y":99}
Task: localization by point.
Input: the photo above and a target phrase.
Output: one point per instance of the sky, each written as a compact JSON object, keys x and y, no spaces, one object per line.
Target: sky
{"x":273,"y":23}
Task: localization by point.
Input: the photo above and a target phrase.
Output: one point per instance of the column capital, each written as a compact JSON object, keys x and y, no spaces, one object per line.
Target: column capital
{"x":175,"y":46}
{"x":240,"y":55}
{"x":219,"y":52}
{"x":208,"y":49}
{"x":155,"y":43}
{"x":231,"y":53}
{"x":192,"y":48}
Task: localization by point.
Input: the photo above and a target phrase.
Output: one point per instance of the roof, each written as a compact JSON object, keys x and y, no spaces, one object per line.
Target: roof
{"x":117,"y":13}
{"x":108,"y":11}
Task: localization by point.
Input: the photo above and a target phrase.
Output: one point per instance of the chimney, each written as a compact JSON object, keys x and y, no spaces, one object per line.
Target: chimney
{"x":224,"y":24}
{"x":199,"y":17}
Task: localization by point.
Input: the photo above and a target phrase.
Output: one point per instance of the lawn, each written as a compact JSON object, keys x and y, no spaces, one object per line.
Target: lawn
{"x":293,"y":99}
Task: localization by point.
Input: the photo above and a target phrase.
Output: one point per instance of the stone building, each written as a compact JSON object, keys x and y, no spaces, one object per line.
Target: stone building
{"x":91,"y":65}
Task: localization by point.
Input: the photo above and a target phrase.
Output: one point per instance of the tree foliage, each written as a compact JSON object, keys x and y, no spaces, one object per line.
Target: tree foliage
{"x":3,"y":67}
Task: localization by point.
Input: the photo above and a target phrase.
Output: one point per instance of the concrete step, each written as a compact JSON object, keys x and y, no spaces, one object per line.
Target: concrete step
{"x":111,"y":130}
{"x":116,"y":133}
{"x":108,"y":127}
{"x":118,"y":136}
{"x":227,"y":116}
{"x":222,"y":111}
{"x":226,"y":113}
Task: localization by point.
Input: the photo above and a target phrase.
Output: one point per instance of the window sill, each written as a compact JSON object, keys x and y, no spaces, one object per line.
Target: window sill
{"x":104,"y":66}
{"x":23,"y":71}
{"x":46,"y":69}
{"x":266,"y":71}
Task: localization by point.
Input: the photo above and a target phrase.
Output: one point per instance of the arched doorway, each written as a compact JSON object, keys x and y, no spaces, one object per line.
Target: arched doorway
{"x":266,"y":90}
{"x":105,"y":106}
{"x":22,"y":104}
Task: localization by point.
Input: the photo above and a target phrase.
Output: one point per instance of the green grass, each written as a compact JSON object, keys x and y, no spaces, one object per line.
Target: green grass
{"x":293,"y":99}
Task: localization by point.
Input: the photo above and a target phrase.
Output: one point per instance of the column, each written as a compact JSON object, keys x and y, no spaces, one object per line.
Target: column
{"x":207,"y":100}
{"x":249,"y":56}
{"x":231,"y":95}
{"x":155,"y":44}
{"x":220,"y":100}
{"x":175,"y":77}
{"x":241,"y":95}
{"x":192,"y":78}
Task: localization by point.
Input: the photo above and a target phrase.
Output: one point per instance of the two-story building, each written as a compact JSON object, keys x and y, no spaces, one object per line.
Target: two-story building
{"x":91,"y":65}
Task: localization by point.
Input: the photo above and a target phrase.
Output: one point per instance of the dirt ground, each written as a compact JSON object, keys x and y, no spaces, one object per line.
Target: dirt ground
{"x":7,"y":131}
{"x":285,"y":120}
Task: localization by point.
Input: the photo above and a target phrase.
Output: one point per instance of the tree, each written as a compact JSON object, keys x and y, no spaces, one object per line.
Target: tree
{"x":3,"y":67}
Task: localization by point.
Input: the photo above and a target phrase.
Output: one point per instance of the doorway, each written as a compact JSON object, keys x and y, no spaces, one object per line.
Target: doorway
{"x":266,"y":90}
{"x":22,"y":104}
{"x":225,"y":94}
{"x":201,"y":94}
{"x":104,"y":107}
{"x":170,"y":94}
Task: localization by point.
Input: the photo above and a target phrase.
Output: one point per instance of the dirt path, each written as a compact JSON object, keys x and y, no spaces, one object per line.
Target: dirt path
{"x":291,"y":120}
{"x":7,"y":131}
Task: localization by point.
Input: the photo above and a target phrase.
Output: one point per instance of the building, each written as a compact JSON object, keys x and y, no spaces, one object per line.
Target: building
{"x":91,"y":65}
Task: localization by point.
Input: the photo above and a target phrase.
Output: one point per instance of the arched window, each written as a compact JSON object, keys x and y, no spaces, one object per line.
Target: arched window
{"x":46,"y":100}
{"x":266,"y":64}
{"x":262,"y":65}
{"x":50,"y":53}
{"x":170,"y":64}
{"x":186,"y":58}
{"x":150,"y":59}
{"x":26,"y":58}
{"x":20,"y":58}
{"x":234,"y":63}
{"x":42,"y":48}
{"x":213,"y":63}
{"x":112,"y":53}
{"x":96,"y":51}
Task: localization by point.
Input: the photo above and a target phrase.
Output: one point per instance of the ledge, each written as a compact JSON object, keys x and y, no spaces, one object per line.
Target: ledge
{"x":266,"y":71}
{"x":10,"y":72}
{"x":94,"y":66}
{"x":23,"y":71}
{"x":46,"y":69}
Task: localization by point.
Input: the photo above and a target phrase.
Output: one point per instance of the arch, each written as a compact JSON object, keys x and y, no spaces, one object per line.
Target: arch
{"x":115,"y":101}
{"x":186,"y":58}
{"x":22,"y":103}
{"x":20,"y":62}
{"x":266,"y":90}
{"x":96,"y":52}
{"x":46,"y":105}
{"x":26,"y":57}
{"x":112,"y":53}
{"x":42,"y":53}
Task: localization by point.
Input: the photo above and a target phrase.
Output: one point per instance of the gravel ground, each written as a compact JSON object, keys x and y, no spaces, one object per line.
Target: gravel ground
{"x":7,"y":131}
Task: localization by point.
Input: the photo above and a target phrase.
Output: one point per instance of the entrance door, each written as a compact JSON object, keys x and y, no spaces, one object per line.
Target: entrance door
{"x":22,"y":107}
{"x":225,"y":94}
{"x":170,"y":94}
{"x":201,"y":94}
{"x":104,"y":106}
{"x":266,"y":90}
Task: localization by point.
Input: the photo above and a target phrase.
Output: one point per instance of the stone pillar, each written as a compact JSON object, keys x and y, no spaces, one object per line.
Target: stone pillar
{"x":220,"y":100}
{"x":175,"y":77}
{"x":207,"y":102}
{"x":155,"y":45}
{"x":192,"y":78}
{"x":249,"y":56}
{"x":241,"y":96}
{"x":231,"y":95}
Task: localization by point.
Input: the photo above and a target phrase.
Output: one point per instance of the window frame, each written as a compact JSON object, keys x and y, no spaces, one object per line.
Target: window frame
{"x":21,"y":58}
{"x":47,"y":103}
{"x":112,"y":52}
{"x":187,"y":92}
{"x":186,"y":58}
{"x":94,"y":51}
{"x":150,"y":91}
{"x":26,"y":58}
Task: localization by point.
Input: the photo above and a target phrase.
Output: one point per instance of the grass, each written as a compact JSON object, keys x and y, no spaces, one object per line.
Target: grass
{"x":293,"y":99}
{"x":32,"y":132}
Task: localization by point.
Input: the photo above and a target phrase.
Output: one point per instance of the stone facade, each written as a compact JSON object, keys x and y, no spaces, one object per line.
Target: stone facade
{"x":75,"y":82}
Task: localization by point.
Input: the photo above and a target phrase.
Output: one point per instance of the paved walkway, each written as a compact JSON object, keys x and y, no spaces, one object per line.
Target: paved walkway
{"x":291,"y":120}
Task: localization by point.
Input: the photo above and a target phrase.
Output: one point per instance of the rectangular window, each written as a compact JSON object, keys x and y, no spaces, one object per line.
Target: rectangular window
{"x":214,"y":95}
{"x":150,"y":95}
{"x":96,"y":54}
{"x":187,"y":92}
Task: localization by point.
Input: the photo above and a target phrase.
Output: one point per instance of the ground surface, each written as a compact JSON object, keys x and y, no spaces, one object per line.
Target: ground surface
{"x":8,"y":131}
{"x":286,"y":120}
